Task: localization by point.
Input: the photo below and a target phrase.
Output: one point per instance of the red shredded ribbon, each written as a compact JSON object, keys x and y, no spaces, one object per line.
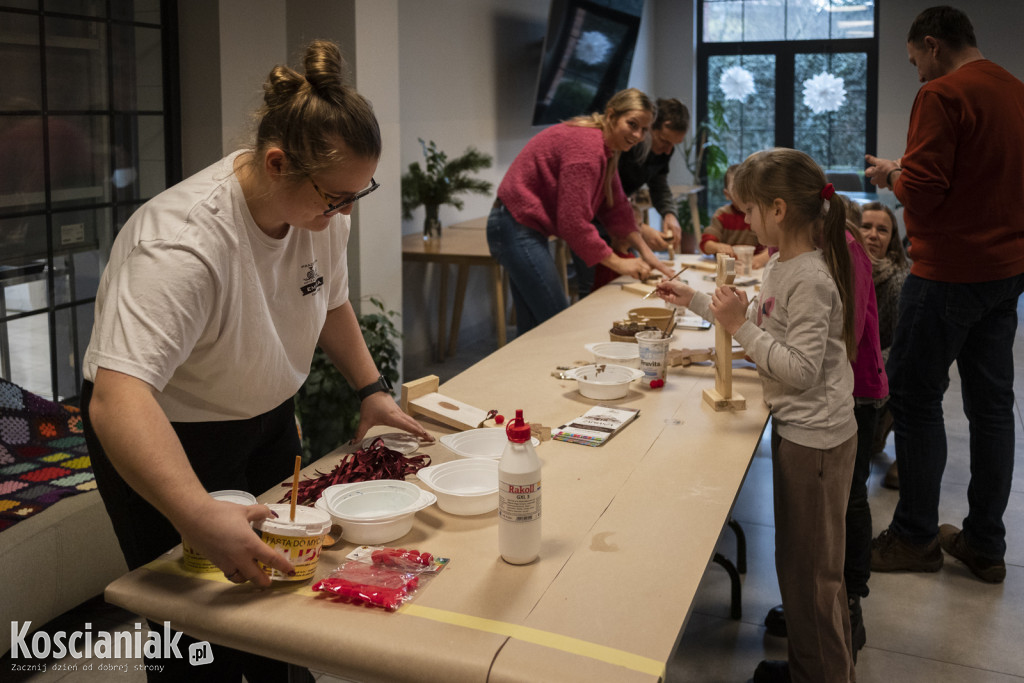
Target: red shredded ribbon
{"x":376,"y":461}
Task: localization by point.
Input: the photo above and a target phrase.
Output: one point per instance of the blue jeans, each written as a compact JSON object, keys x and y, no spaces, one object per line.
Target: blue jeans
{"x":973,"y":324}
{"x":525,"y":254}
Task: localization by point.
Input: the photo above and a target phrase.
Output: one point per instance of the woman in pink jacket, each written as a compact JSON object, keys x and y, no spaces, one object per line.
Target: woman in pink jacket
{"x":563,"y":178}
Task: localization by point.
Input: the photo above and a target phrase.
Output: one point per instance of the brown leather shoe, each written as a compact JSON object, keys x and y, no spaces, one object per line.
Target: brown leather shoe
{"x":953,"y":542}
{"x":889,"y":553}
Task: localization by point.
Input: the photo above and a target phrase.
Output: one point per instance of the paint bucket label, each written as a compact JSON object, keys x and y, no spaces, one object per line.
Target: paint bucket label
{"x":299,"y":541}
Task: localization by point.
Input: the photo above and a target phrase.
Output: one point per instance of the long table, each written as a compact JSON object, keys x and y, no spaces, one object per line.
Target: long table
{"x":629,"y":530}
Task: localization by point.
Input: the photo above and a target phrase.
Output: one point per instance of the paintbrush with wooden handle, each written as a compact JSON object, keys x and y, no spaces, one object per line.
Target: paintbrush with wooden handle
{"x":678,"y":273}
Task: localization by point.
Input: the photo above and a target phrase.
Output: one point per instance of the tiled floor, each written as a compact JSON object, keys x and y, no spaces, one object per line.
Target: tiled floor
{"x":927,"y":628}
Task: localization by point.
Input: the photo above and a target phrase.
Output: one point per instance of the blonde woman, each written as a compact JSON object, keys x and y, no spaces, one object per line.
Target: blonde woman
{"x":562,"y":179}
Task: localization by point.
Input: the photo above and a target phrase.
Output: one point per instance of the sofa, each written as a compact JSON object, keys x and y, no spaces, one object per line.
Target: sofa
{"x":57,"y":545}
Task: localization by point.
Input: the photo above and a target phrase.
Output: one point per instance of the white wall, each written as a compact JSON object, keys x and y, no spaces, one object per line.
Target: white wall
{"x":467,"y":73}
{"x":252,"y":41}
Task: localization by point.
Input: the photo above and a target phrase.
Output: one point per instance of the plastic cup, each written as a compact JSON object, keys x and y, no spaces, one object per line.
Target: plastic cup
{"x":653,"y":353}
{"x":195,"y":561}
{"x":299,"y":541}
{"x":744,"y":259}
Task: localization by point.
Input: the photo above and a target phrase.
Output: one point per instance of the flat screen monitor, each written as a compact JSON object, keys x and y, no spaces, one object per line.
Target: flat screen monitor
{"x":588,"y":51}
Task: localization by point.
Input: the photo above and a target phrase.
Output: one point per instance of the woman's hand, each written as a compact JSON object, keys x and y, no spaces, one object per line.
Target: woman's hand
{"x":637,"y":240}
{"x":632,"y":267}
{"x":654,"y":239}
{"x":729,"y":306}
{"x":675,"y":292}
{"x":221,"y":532}
{"x":381,"y":409}
{"x":670,"y":225}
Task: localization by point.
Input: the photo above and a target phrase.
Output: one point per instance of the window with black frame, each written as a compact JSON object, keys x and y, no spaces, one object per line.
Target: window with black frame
{"x":792,"y":73}
{"x":88,"y":131}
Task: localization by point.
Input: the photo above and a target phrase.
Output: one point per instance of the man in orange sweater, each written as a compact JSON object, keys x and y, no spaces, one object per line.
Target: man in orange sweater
{"x":960,"y":181}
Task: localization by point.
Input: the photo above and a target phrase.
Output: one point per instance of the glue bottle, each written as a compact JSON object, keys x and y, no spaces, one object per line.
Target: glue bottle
{"x":519,"y":495}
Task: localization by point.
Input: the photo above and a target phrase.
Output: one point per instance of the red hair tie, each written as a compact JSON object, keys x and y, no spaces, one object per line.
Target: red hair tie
{"x":827,"y":192}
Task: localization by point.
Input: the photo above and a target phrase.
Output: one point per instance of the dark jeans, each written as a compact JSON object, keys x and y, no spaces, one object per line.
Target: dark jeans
{"x":525,"y":254}
{"x":250,"y":455}
{"x":857,"y":569}
{"x":973,"y":324}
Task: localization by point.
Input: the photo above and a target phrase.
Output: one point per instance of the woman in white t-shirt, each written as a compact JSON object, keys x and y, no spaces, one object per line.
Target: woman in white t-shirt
{"x":216,"y":294}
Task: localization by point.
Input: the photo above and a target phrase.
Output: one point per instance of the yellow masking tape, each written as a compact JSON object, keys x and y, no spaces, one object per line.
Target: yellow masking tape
{"x":555,"y":641}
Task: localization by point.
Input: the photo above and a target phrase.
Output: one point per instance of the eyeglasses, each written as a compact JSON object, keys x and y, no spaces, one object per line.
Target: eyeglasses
{"x":333,"y":208}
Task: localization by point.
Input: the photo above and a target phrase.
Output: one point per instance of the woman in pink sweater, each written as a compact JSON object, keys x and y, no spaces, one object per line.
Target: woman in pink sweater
{"x":562,"y":179}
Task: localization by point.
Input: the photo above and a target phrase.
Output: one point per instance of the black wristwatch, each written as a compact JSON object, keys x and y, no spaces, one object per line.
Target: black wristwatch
{"x":382,"y":384}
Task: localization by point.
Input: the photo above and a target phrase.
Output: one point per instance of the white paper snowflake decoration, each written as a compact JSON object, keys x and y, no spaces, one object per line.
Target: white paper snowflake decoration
{"x":592,"y":47}
{"x":736,"y":83}
{"x":824,"y":93}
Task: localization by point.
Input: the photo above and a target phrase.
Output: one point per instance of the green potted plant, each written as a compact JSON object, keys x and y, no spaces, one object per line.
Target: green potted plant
{"x":326,"y":407}
{"x":441,"y":182}
{"x":705,"y":159}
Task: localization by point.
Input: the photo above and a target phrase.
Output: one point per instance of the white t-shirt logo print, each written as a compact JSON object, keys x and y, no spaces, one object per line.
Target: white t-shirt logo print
{"x":312,"y":280}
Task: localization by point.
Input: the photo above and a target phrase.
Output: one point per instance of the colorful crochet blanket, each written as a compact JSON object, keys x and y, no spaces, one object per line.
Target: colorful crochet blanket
{"x":43,"y":457}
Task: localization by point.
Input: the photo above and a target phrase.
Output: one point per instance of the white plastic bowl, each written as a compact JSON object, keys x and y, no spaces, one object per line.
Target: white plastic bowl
{"x":464,"y":487}
{"x":371,"y":512}
{"x":617,"y":353}
{"x":604,"y":381}
{"x":485,"y":442}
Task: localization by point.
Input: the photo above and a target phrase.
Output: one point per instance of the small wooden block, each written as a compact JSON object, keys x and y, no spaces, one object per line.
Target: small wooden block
{"x":427,"y":384}
{"x":540,"y":432}
{"x":720,"y":403}
{"x":638,"y":288}
{"x":705,"y":266}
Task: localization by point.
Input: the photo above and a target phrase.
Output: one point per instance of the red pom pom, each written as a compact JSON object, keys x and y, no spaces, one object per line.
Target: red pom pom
{"x":499,"y":419}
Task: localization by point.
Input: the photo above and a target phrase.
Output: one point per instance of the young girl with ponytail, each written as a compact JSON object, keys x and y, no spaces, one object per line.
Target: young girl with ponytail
{"x":799,"y":330}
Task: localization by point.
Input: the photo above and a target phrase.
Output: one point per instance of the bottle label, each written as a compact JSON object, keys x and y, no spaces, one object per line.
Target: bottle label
{"x":519,"y":502}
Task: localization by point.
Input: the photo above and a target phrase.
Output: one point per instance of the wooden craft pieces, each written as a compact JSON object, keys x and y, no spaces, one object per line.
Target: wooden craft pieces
{"x":420,"y":397}
{"x":685,"y":357}
{"x":722,"y":397}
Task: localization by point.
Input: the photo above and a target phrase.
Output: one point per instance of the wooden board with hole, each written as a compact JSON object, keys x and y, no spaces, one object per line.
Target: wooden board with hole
{"x":420,"y":397}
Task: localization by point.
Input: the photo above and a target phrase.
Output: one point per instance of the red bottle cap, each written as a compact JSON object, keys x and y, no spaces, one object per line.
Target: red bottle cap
{"x":518,"y":430}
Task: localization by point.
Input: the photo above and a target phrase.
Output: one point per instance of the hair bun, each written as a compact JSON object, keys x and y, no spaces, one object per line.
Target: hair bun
{"x":281,"y":85}
{"x":325,"y":70}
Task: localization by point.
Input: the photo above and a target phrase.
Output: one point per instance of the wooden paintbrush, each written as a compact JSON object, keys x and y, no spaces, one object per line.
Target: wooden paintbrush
{"x":678,"y":273}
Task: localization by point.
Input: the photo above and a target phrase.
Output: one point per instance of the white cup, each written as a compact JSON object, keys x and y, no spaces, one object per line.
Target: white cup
{"x":653,"y":353}
{"x":744,"y":259}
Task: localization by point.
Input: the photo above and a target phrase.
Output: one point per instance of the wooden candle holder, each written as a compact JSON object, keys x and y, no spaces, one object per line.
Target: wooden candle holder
{"x":722,"y":397}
